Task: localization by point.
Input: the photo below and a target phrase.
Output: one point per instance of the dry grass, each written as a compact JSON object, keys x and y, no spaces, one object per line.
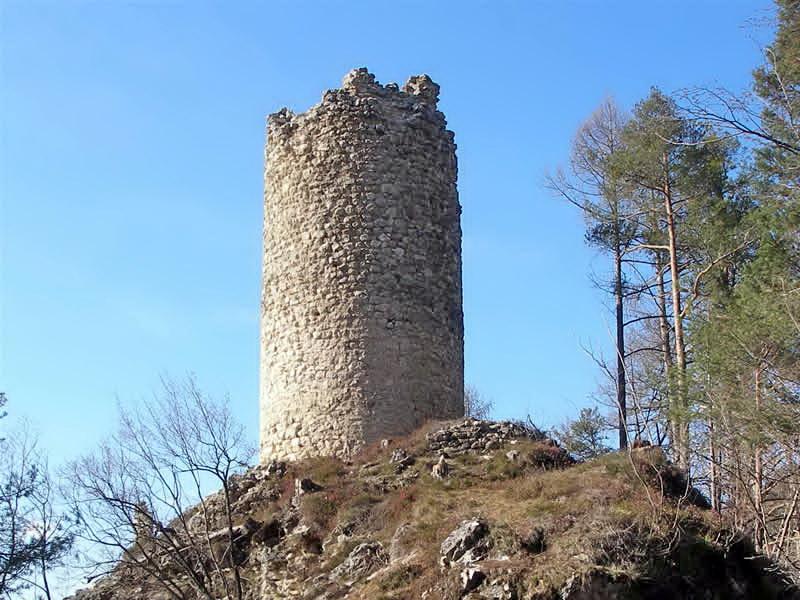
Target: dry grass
{"x":623,"y":515}
{"x":589,"y":514}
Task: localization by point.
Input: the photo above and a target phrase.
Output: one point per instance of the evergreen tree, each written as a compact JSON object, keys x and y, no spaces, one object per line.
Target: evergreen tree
{"x":593,"y":186}
{"x":677,"y":170}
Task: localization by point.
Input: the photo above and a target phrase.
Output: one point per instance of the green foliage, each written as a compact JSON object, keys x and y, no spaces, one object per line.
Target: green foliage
{"x":715,"y":358}
{"x":747,"y":337}
{"x":777,"y":83}
{"x":584,"y":437}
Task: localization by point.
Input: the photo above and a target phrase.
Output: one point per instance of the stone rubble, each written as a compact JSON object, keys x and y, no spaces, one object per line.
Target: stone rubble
{"x":474,"y":435}
{"x":288,"y":549}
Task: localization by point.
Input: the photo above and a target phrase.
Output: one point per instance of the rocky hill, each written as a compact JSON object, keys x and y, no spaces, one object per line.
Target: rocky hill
{"x":478,"y":510}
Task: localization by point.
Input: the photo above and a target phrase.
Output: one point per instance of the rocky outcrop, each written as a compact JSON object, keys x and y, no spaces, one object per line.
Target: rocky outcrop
{"x":516,"y":521}
{"x":364,"y":559}
{"x":466,"y":544}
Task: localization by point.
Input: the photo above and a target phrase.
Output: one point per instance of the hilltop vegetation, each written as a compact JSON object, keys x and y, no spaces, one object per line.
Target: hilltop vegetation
{"x":505,"y":517}
{"x":693,"y":199}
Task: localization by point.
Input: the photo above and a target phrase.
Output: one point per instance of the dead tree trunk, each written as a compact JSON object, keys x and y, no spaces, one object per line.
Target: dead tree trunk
{"x":620,"y":323}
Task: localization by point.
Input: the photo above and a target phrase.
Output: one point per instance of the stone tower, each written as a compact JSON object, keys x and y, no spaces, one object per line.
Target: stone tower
{"x":362,"y":332}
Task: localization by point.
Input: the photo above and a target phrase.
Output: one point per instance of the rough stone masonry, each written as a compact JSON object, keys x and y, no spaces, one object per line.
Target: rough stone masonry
{"x":362,"y":332}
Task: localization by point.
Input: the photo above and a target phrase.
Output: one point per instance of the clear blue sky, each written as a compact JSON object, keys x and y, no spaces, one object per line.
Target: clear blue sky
{"x":132,"y":149}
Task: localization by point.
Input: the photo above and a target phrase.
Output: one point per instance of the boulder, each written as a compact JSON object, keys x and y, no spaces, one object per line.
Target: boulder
{"x":363,"y":559}
{"x":471,"y":578}
{"x":305,"y":486}
{"x":401,"y":459}
{"x":400,"y":544}
{"x":466,"y":543}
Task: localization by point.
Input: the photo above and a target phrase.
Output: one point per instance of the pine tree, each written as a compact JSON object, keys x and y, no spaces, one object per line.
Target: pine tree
{"x":593,"y":186}
{"x":676,"y":169}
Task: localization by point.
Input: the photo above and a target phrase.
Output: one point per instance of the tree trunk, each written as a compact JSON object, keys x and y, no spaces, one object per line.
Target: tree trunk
{"x":681,"y":415}
{"x":43,"y":566}
{"x":758,"y":472}
{"x":666,"y":338}
{"x":713,"y":483}
{"x":237,"y":576}
{"x":621,"y":375}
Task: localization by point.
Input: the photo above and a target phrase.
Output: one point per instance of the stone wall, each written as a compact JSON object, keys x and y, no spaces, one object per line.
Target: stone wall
{"x":362,"y":325}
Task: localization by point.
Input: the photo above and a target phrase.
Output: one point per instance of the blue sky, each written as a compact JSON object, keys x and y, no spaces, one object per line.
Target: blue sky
{"x":131,"y":179}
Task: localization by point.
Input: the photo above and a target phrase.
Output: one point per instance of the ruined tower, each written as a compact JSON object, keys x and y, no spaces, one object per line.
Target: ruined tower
{"x":361,"y":318}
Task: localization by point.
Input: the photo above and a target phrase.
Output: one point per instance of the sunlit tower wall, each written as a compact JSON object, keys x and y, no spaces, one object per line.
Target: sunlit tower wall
{"x":362,"y":334}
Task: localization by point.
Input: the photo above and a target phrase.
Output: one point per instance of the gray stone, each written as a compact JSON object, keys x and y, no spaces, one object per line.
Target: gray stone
{"x":467,"y":541}
{"x":398,"y":455}
{"x":361,"y":319}
{"x":473,"y":435}
{"x":305,"y":486}
{"x":471,"y":578}
{"x":363,"y":559}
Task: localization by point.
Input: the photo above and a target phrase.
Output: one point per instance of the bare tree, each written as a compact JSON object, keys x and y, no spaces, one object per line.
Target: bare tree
{"x":593,"y":185}
{"x":476,"y":405}
{"x":34,"y":535}
{"x":51,"y":527}
{"x":142,"y":496}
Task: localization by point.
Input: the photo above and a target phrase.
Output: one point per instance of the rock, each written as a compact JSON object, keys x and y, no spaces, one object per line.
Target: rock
{"x":399,"y":546}
{"x":512,"y":455}
{"x":254,"y":489}
{"x":441,"y":469}
{"x":269,"y":534}
{"x":310,"y":541}
{"x":305,"y":486}
{"x":398,"y":455}
{"x":471,"y":578}
{"x":497,"y":589}
{"x":401,"y":459}
{"x":423,"y":87}
{"x":275,"y":468}
{"x":466,"y":543}
{"x":473,"y":435}
{"x":363,"y":559}
{"x":534,"y":541}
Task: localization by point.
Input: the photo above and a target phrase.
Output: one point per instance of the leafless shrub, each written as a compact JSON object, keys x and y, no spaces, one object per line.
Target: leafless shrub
{"x":141,"y":496}
{"x":476,"y":405}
